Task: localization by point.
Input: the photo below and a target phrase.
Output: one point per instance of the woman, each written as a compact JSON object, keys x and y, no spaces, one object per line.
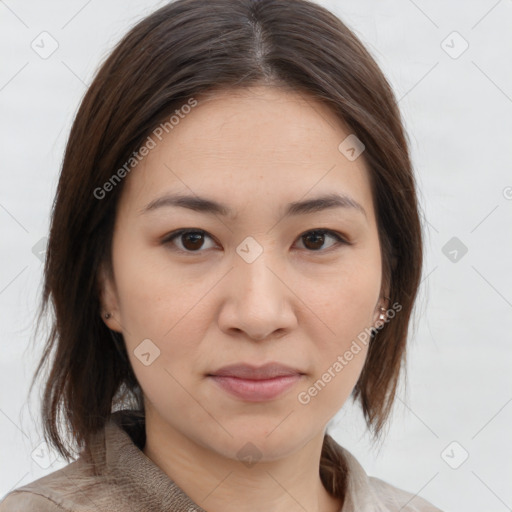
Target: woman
{"x":235,"y":249}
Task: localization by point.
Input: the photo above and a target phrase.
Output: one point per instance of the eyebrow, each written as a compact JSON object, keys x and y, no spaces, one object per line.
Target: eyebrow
{"x":209,"y":206}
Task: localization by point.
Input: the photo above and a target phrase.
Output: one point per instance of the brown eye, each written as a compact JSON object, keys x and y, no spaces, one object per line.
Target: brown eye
{"x":314,"y":240}
{"x":191,"y":240}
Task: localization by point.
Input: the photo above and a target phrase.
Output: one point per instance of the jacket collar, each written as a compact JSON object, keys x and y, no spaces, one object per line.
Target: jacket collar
{"x":123,"y":440}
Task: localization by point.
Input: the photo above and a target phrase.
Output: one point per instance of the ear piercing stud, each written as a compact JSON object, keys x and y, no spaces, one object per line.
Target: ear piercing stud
{"x":382,"y":318}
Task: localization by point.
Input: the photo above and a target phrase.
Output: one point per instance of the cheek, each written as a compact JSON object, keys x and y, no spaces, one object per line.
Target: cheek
{"x":346,"y":302}
{"x":172,"y":310}
{"x":153,"y":294}
{"x":340,"y":341}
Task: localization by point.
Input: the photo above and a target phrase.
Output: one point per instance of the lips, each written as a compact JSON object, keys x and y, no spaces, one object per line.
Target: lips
{"x":247,"y":371}
{"x":256,"y":384}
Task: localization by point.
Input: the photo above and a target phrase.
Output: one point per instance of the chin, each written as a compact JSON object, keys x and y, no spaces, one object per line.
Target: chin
{"x":264,"y":441}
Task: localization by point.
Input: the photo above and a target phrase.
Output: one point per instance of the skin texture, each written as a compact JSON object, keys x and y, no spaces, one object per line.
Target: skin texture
{"x":255,"y":150}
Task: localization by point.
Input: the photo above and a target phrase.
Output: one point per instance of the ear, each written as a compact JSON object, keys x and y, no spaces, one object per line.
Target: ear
{"x":108,"y":299}
{"x":380,"y":313}
{"x":383,"y":303}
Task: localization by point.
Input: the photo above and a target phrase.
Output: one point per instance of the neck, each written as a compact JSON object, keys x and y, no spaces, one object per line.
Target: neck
{"x":220,"y":484}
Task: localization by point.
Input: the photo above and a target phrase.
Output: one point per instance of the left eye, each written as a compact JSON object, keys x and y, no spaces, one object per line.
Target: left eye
{"x":193,"y":239}
{"x":317,"y":238}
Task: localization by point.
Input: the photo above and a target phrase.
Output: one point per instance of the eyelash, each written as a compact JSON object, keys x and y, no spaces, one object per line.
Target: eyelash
{"x":169,"y":239}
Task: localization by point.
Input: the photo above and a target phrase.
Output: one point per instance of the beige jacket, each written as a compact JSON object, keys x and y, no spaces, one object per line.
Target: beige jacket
{"x":126,"y":480}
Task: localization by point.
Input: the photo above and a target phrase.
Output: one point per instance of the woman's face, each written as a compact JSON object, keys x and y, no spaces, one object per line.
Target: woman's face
{"x":253,"y":286}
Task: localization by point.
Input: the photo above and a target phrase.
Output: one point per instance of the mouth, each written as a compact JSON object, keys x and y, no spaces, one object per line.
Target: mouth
{"x":256,"y":384}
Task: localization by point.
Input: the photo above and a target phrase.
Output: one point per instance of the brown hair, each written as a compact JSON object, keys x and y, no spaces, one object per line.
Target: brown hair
{"x":181,"y":50}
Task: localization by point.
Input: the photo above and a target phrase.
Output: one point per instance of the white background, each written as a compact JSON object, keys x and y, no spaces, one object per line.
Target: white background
{"x":458,"y":114}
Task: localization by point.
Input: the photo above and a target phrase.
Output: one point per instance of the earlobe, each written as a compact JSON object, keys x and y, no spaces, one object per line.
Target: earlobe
{"x":112,"y":322}
{"x":380,"y":315}
{"x":109,"y":309}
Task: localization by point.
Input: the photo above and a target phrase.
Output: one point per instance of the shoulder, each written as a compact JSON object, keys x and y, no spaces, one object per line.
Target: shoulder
{"x":75,"y":487}
{"x":394,"y":499}
{"x":26,"y":501}
{"x":365,"y":493}
{"x":106,"y":477}
{"x":55,"y":492}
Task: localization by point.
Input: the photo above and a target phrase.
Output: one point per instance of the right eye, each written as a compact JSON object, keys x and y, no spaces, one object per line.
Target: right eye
{"x":191,"y":240}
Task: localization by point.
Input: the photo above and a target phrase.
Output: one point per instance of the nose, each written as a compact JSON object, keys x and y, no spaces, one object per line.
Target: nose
{"x":258,"y":300}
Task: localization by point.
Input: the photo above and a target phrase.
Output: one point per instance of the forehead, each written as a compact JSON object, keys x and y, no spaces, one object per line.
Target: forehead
{"x":245,"y":143}
{"x":254,"y":121}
